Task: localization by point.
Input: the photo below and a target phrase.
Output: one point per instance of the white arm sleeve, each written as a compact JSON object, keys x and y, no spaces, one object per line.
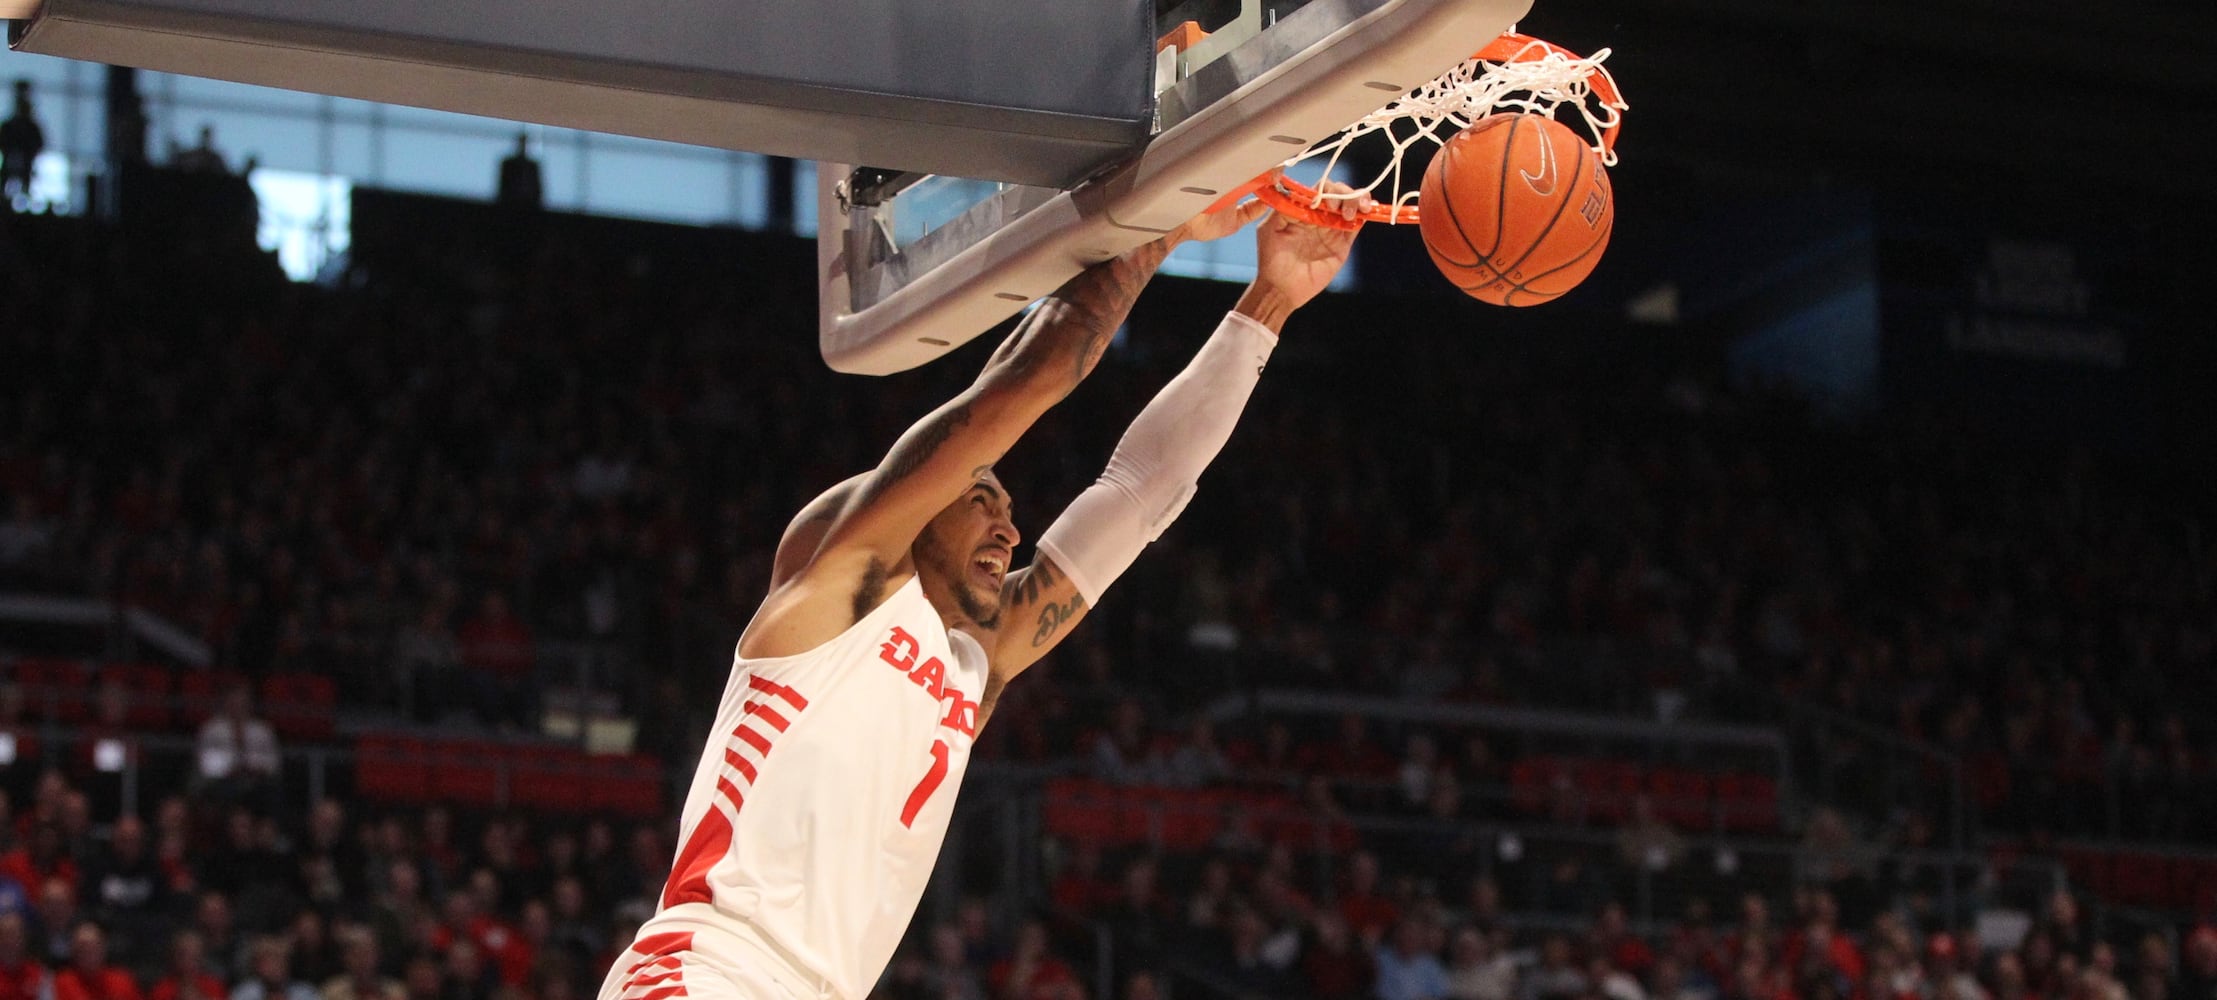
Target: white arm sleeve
{"x":1153,"y":472}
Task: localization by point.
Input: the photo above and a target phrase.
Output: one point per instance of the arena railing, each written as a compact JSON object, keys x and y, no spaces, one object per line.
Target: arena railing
{"x":1959,"y":889}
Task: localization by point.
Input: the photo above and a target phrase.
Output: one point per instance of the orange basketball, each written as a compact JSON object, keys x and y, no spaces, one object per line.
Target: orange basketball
{"x":1516,"y":209}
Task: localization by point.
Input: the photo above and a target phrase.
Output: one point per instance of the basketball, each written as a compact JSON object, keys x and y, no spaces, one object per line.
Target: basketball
{"x":1517,"y":209}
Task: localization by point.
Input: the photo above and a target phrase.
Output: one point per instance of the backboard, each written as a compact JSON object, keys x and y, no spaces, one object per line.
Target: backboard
{"x":912,"y":266}
{"x":1008,"y":146}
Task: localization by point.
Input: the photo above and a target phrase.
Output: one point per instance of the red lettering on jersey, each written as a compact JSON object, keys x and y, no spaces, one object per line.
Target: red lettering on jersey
{"x":962,"y":714}
{"x":777,"y":690}
{"x":900,"y":649}
{"x":932,"y":677}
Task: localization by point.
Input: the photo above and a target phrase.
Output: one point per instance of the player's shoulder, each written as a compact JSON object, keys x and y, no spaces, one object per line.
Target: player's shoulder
{"x":816,"y":593}
{"x":804,"y":535}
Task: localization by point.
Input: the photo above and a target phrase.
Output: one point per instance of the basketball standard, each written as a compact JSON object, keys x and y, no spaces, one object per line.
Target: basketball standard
{"x":1111,"y":140}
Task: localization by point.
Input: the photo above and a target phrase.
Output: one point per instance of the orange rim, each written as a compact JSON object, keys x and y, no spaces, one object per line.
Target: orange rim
{"x":1299,"y":201}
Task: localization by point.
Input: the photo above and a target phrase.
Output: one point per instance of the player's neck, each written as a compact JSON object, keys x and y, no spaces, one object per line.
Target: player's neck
{"x":941,"y":594}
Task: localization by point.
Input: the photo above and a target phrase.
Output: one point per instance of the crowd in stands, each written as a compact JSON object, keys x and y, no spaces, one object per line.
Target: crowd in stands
{"x":440,"y":480}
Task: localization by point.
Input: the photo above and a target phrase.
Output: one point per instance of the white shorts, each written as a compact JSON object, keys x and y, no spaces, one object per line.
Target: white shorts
{"x":706,"y":965}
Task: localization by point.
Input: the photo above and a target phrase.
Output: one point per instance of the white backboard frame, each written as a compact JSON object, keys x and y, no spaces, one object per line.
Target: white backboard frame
{"x":1299,"y":80}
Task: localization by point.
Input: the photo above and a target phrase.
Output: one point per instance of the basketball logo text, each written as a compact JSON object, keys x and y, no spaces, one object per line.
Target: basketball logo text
{"x":1592,"y":209}
{"x":899,"y":651}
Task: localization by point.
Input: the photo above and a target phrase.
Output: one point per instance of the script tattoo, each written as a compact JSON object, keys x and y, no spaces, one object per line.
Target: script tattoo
{"x":1053,"y":616}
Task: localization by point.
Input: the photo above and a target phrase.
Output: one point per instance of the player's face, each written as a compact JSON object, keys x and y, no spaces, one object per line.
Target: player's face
{"x":968,"y":547}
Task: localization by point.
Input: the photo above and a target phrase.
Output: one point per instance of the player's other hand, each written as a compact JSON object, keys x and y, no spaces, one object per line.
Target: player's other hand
{"x":1218,"y":224}
{"x":1295,"y":260}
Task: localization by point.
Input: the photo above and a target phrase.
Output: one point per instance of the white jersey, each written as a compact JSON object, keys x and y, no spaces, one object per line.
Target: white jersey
{"x":816,"y":814}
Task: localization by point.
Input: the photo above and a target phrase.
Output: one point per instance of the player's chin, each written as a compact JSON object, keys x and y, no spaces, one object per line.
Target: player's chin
{"x":984,"y":603}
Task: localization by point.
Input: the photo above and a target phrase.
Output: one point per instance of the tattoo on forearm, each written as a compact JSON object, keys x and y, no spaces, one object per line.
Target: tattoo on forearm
{"x":909,"y":456}
{"x":1054,"y":616}
{"x":1095,"y":304}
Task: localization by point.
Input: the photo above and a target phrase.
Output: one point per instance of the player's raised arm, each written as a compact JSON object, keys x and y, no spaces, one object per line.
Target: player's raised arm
{"x":861,"y":531}
{"x":1160,"y":458}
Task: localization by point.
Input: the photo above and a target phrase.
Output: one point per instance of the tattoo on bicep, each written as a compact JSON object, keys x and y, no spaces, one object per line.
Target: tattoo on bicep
{"x":1054,"y":616}
{"x":1041,"y":575}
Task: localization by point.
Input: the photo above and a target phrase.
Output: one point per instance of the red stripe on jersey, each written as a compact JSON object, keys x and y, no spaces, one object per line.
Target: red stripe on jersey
{"x":768,"y":714}
{"x":730,"y":793}
{"x":759,"y":742}
{"x":659,"y":946}
{"x":791,"y":696}
{"x":689,"y":877}
{"x":740,"y":764}
{"x":649,"y":977}
{"x":657,"y":993}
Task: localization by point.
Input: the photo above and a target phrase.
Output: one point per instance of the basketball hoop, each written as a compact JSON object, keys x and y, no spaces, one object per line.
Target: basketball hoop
{"x":1513,"y":73}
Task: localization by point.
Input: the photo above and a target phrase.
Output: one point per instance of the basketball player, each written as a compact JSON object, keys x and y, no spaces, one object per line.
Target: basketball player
{"x":893,"y":621}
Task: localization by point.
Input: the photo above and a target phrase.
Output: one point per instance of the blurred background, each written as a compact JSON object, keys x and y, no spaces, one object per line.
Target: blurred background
{"x":1819,"y":602}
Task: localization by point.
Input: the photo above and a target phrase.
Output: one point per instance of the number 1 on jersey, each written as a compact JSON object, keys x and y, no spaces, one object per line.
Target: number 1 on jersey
{"x":930,"y":784}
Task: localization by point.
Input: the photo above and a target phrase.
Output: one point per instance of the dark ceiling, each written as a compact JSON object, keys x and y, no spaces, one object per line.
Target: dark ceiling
{"x":2034,"y":96}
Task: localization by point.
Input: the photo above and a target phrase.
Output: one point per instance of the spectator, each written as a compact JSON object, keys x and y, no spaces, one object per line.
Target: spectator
{"x":467,"y":976}
{"x":1648,"y":843}
{"x":949,"y":975}
{"x":188,"y":977}
{"x":1613,"y":940}
{"x":2198,"y":977}
{"x":1368,"y":913}
{"x":269,"y":975}
{"x":1198,"y":762}
{"x":1335,"y":965}
{"x":1122,"y":755}
{"x":1478,"y":969}
{"x":21,"y":141}
{"x":1410,"y":969}
{"x":22,"y":975}
{"x":1138,"y":930}
{"x":238,"y":754}
{"x":1557,"y":978}
{"x":422,"y":978}
{"x":58,"y":919}
{"x":575,"y":933}
{"x":498,"y":653}
{"x":520,"y":185}
{"x":214,"y":923}
{"x":45,"y":857}
{"x":1246,"y":963}
{"x":427,"y":666}
{"x":202,"y":158}
{"x":1031,"y":971}
{"x":88,"y":975}
{"x":361,"y":979}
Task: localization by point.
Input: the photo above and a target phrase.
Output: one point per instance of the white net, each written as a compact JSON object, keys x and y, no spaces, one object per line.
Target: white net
{"x":1538,"y":79}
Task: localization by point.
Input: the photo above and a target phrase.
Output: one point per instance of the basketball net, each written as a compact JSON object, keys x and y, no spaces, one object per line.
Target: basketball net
{"x":1516,"y":73}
